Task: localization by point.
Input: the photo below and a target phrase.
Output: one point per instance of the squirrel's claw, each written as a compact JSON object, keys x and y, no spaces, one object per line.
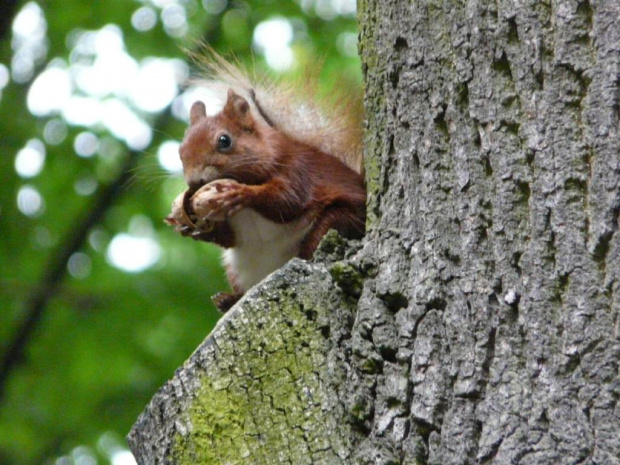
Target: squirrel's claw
{"x":220,"y":199}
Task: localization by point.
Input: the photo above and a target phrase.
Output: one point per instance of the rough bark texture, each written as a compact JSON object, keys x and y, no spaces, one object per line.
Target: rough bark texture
{"x":493,"y":130}
{"x":478,"y":322}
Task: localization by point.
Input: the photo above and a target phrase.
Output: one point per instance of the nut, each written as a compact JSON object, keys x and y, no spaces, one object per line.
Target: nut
{"x":183,"y":216}
{"x":200,"y":203}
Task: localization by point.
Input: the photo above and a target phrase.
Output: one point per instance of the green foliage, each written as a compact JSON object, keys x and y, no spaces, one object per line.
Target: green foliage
{"x":107,"y":339}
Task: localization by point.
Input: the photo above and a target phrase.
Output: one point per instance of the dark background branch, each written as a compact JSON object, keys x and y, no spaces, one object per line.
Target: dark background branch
{"x":7,"y":7}
{"x":56,"y":269}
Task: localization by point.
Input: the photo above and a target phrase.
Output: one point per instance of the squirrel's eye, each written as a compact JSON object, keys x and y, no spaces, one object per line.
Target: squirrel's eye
{"x":224,"y":142}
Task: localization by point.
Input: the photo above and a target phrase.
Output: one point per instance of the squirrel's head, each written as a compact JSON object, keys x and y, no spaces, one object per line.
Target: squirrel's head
{"x":232,"y":144}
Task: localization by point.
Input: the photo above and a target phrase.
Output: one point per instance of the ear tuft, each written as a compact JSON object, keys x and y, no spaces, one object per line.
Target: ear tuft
{"x":197,"y":112}
{"x":238,"y":109}
{"x":237,"y":104}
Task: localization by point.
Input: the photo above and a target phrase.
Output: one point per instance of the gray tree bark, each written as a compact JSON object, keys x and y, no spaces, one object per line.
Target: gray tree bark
{"x":478,"y":320}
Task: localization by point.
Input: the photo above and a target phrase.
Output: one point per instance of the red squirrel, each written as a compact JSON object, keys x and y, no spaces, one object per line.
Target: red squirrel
{"x":268,"y":176}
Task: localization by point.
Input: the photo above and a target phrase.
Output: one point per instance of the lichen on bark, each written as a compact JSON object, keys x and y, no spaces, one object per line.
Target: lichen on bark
{"x":262,"y":396}
{"x":262,"y":385}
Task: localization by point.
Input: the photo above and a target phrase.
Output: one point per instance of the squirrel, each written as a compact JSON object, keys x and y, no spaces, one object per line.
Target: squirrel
{"x":268,"y":175}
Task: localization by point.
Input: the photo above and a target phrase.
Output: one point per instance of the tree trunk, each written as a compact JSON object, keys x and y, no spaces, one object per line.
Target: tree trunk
{"x":478,"y":321}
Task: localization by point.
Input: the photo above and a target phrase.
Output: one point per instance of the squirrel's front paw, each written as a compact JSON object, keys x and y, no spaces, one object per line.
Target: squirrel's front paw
{"x":220,"y":199}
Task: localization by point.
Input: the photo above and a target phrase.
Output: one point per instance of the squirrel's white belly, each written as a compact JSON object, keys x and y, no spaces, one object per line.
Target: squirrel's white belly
{"x":261,"y":246}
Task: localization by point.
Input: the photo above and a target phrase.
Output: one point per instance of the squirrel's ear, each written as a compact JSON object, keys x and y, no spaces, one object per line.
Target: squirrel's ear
{"x":238,"y":109}
{"x":238,"y":104}
{"x":197,"y":111}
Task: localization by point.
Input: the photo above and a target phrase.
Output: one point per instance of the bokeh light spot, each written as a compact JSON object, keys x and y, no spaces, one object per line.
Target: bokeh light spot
{"x":29,"y":22}
{"x":347,"y":44}
{"x":55,"y":131}
{"x":214,"y":7}
{"x":79,"y":265}
{"x":49,"y":92}
{"x":29,"y":201}
{"x":133,"y":254}
{"x":30,"y":160}
{"x":86,"y":186}
{"x":86,"y":144}
{"x":28,"y":41}
{"x":82,"y":111}
{"x":144,"y":19}
{"x":273,"y":38}
{"x":125,"y":124}
{"x":174,"y":18}
{"x":123,"y":457}
{"x":155,"y":85}
{"x":5,"y":76}
{"x":168,"y":156}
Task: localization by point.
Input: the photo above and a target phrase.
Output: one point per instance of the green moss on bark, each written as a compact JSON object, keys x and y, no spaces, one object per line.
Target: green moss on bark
{"x":263,"y":394}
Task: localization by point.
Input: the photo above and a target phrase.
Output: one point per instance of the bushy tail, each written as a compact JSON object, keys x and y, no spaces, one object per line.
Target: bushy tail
{"x":332,"y":123}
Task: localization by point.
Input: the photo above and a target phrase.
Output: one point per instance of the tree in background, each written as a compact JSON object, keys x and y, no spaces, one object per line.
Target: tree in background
{"x":100,"y":302}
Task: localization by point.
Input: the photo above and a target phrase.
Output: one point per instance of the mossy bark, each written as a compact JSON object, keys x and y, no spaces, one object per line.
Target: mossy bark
{"x":478,"y":321}
{"x":264,"y":386}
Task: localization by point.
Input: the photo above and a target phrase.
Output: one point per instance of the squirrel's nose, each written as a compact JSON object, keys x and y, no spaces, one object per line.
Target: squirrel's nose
{"x":198,"y":178}
{"x":194,"y":186}
{"x":194,"y":182}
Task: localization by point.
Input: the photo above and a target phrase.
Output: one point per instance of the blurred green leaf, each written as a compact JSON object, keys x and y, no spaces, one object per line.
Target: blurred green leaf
{"x":108,"y":339}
